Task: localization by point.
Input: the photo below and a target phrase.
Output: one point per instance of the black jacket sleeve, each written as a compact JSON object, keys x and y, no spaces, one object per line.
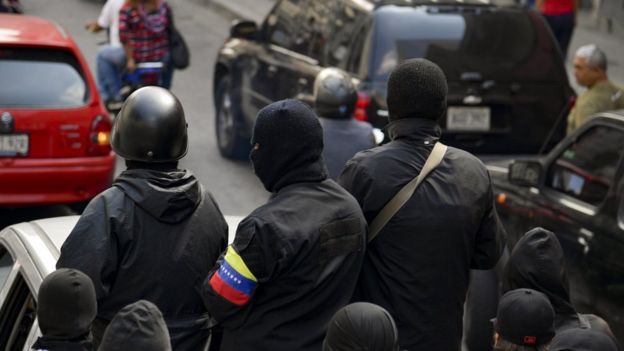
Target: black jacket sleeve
{"x":91,"y":247}
{"x":245,"y":265}
{"x":490,"y":237}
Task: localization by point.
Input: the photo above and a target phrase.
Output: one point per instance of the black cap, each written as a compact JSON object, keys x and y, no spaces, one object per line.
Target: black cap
{"x":66,"y":304}
{"x":417,"y":88}
{"x":525,"y":317}
{"x":582,"y":340}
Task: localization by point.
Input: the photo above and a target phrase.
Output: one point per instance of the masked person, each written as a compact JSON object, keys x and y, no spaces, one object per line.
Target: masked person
{"x":361,"y":326}
{"x":537,"y":262}
{"x":156,"y":232}
{"x":583,"y":340}
{"x":343,"y":136}
{"x":524,"y":321}
{"x":66,"y":308}
{"x":138,"y":326}
{"x":294,"y":260}
{"x":418,"y":266}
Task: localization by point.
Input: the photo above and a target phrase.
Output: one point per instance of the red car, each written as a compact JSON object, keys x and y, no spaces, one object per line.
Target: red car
{"x":54,"y":129}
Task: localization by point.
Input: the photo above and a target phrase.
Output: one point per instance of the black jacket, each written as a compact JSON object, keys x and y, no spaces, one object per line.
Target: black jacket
{"x":418,"y":266}
{"x":303,"y":251}
{"x":51,"y":344}
{"x":537,"y":262}
{"x":152,"y":236}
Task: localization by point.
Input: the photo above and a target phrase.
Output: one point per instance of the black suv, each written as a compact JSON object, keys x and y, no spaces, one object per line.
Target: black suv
{"x":508,"y":88}
{"x":576,"y":191}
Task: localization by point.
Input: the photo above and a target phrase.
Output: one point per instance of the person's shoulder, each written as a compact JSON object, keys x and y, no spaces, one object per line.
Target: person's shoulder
{"x":464,"y":160}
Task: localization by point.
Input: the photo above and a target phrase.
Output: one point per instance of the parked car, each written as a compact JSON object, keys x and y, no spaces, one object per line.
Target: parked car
{"x":576,"y":191}
{"x":54,"y":130}
{"x":28,"y":253}
{"x":508,"y":87}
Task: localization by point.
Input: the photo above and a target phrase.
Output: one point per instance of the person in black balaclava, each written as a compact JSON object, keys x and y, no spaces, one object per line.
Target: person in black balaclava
{"x":582,"y":340}
{"x":362,"y":326}
{"x":537,"y":262}
{"x":65,"y":310}
{"x":418,"y":267}
{"x":156,"y":232}
{"x":294,"y":260}
{"x":137,"y":327}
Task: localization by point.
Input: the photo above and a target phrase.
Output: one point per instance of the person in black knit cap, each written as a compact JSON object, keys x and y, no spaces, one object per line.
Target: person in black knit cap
{"x":65,"y":311}
{"x":418,"y":266}
{"x":293,"y":261}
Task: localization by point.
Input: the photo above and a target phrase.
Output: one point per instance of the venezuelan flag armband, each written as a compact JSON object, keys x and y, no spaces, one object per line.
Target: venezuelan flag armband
{"x":233,"y":280}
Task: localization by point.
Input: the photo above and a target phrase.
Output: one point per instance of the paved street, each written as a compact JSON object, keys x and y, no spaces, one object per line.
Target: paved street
{"x":233,"y":184}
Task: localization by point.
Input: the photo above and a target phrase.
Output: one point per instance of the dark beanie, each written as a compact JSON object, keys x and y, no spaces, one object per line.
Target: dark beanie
{"x":66,"y":305}
{"x":361,"y":326}
{"x":417,"y":89}
{"x":290,"y":143}
{"x":138,"y":326}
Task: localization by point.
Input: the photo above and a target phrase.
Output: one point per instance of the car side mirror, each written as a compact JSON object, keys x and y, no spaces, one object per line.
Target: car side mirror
{"x":243,"y":29}
{"x":525,"y":173}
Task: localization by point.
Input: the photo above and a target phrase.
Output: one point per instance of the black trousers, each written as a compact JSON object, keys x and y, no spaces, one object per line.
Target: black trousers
{"x":562,"y":27}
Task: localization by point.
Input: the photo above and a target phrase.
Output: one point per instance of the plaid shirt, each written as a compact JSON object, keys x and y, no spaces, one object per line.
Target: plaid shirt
{"x":146,"y":33}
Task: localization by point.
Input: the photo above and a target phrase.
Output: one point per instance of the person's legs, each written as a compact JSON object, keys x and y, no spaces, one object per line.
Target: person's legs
{"x":110,"y":62}
{"x":167,"y":74}
{"x":565,"y":32}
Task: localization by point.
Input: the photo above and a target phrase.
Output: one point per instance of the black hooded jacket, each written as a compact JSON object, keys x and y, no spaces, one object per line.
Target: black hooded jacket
{"x":537,"y":262}
{"x":418,"y":266}
{"x":294,"y":261}
{"x":152,"y":236}
{"x":137,"y":327}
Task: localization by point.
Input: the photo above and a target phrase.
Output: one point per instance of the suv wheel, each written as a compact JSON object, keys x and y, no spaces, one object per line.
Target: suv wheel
{"x":227,"y":119}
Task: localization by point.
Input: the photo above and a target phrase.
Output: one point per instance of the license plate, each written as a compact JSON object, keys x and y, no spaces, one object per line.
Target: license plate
{"x":14,"y":145}
{"x":468,"y":119}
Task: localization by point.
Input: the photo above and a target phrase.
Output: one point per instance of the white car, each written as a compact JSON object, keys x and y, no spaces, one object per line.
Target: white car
{"x":28,"y":253}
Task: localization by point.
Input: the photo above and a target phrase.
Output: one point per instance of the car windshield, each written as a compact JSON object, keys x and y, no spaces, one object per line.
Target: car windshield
{"x":469,"y":43}
{"x":41,"y":78}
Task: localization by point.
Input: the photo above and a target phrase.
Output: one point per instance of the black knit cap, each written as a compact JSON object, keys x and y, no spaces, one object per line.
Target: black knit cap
{"x":290,"y":144}
{"x":417,"y":88}
{"x":66,"y":305}
{"x":525,"y":317}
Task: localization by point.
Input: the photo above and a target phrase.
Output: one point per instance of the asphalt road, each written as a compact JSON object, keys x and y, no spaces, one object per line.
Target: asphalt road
{"x":233,"y":184}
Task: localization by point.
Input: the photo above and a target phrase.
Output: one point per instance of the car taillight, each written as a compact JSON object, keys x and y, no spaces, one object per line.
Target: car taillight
{"x":363,"y":102}
{"x":99,"y":136}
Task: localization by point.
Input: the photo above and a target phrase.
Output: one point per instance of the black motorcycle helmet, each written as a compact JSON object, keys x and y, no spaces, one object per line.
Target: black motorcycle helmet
{"x":150,"y":127}
{"x":334,"y":94}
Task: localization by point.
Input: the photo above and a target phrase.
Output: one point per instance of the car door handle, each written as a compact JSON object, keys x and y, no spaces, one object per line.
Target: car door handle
{"x":303,"y":82}
{"x":272,"y":69}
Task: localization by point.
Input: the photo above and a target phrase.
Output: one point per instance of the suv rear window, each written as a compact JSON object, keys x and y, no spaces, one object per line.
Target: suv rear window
{"x":41,"y":78}
{"x":498,"y":44}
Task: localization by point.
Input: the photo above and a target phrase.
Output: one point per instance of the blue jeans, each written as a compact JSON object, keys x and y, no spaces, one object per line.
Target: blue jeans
{"x":111,"y":61}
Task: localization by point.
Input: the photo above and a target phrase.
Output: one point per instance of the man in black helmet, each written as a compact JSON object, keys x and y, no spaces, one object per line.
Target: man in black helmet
{"x":418,"y":266}
{"x":295,"y":259}
{"x":157,"y":231}
{"x":334,"y":101}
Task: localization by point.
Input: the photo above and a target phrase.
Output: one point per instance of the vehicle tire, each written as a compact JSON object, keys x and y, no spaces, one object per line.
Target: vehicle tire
{"x":228,"y":123}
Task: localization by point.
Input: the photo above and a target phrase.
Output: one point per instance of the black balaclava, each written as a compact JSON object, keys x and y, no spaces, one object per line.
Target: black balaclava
{"x":66,"y":305}
{"x":417,"y":88}
{"x":361,"y":326}
{"x":138,"y":326}
{"x":537,"y":262}
{"x":582,"y":340}
{"x":287,"y":145}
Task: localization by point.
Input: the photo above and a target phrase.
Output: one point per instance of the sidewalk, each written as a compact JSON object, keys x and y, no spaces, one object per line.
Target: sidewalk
{"x":588,"y":31}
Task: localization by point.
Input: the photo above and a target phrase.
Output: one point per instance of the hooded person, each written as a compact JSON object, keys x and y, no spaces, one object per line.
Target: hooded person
{"x":583,"y":340}
{"x":537,"y":262}
{"x":156,"y":232}
{"x":65,"y":310}
{"x":361,"y":326}
{"x":138,"y":326}
{"x":418,"y":266}
{"x":294,"y":260}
